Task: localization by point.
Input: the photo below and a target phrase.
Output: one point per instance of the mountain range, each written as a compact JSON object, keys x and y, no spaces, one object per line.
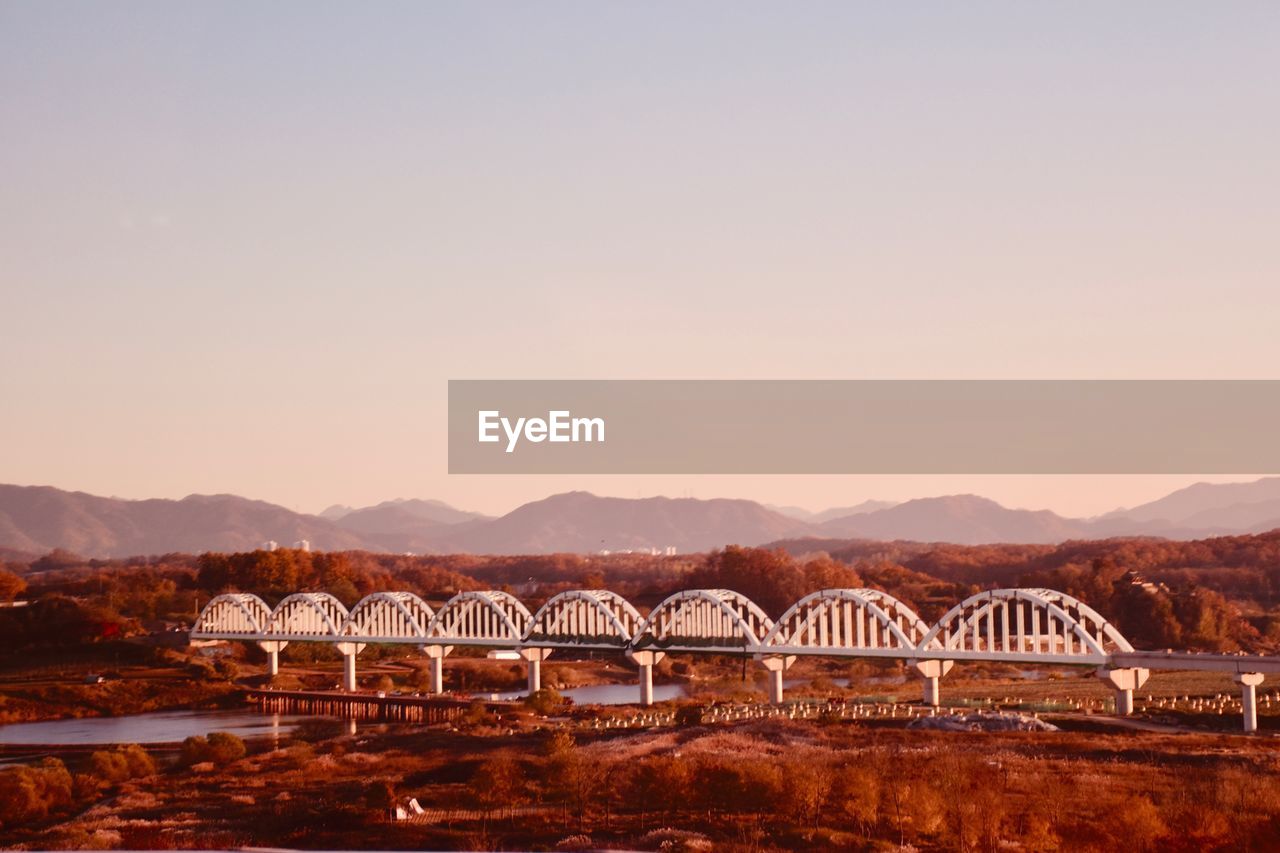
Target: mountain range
{"x":37,"y":519}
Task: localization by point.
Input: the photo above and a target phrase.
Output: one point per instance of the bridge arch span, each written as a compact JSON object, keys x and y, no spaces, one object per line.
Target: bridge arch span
{"x":832,"y":621}
{"x":704,"y":620}
{"x":1026,"y":624}
{"x":232,"y":615}
{"x":486,"y":618}
{"x":305,"y":615}
{"x":585,"y":617}
{"x":390,"y":616}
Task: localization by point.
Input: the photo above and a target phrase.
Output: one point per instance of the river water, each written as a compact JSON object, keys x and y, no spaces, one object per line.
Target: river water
{"x":160,"y":727}
{"x":176,"y":726}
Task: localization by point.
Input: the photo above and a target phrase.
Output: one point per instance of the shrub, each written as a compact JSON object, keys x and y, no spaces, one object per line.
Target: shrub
{"x":544,"y":701}
{"x":689,"y":715}
{"x":226,"y":669}
{"x":476,"y":715}
{"x":120,"y":765}
{"x":299,"y":755}
{"x":109,"y":766}
{"x":225,"y":748}
{"x":218,"y":748}
{"x":317,"y":729}
{"x":32,"y":794}
{"x":380,"y":794}
{"x":195,"y":750}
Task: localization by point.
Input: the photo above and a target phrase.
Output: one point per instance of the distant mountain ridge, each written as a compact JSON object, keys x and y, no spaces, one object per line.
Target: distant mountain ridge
{"x":833,"y":512}
{"x":1206,"y":502}
{"x":583,"y":522}
{"x":429,"y":510}
{"x":960,"y":519}
{"x":37,"y":519}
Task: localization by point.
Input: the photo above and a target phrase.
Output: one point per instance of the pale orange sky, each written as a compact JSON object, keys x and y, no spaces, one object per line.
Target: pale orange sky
{"x":245,"y":247}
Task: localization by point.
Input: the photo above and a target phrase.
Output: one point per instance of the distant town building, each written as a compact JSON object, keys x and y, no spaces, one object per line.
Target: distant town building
{"x":652,"y":551}
{"x":302,"y":545}
{"x":270,"y":545}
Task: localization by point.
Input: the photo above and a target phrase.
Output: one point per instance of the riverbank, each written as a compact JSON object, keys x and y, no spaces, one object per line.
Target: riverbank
{"x":768,"y":784}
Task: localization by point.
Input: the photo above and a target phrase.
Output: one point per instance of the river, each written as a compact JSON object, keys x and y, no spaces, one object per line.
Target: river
{"x":176,"y":726}
{"x":159,"y":727}
{"x":600,"y":694}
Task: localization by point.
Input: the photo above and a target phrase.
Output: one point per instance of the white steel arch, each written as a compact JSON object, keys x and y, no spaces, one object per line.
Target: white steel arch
{"x":704,"y":620}
{"x":389,"y":617}
{"x":232,"y":615}
{"x":1025,"y":624}
{"x":487,"y":618}
{"x":580,"y":618}
{"x":308,"y":615}
{"x":865,"y":622}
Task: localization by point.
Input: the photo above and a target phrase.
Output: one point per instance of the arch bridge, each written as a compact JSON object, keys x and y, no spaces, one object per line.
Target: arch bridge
{"x":1027,"y":626}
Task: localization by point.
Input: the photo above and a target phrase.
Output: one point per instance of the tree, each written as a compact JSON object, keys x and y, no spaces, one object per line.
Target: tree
{"x":808,"y":785}
{"x":497,"y":783}
{"x":659,"y":783}
{"x":855,"y":792}
{"x":11,"y":586}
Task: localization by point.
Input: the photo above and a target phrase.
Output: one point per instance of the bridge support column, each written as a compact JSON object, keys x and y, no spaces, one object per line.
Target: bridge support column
{"x":273,"y":649}
{"x":646,"y":659}
{"x":436,"y":654}
{"x":776,"y":665}
{"x":1124,"y":681}
{"x":534,"y":658}
{"x":349,"y":652}
{"x":932,"y":671}
{"x":1249,"y":682}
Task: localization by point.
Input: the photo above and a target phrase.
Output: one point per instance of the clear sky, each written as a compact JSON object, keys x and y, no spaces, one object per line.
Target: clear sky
{"x":243,"y":246}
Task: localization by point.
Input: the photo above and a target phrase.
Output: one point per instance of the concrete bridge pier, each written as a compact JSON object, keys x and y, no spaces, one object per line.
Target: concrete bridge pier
{"x":534,"y":659}
{"x":273,"y":649}
{"x":932,"y":671}
{"x":1124,"y":681}
{"x":1249,"y":682}
{"x":436,"y":654}
{"x":646,"y":659}
{"x":349,"y":652}
{"x":776,"y":665}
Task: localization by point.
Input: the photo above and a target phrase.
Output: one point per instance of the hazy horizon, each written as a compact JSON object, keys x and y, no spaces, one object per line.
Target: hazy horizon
{"x":245,"y":245}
